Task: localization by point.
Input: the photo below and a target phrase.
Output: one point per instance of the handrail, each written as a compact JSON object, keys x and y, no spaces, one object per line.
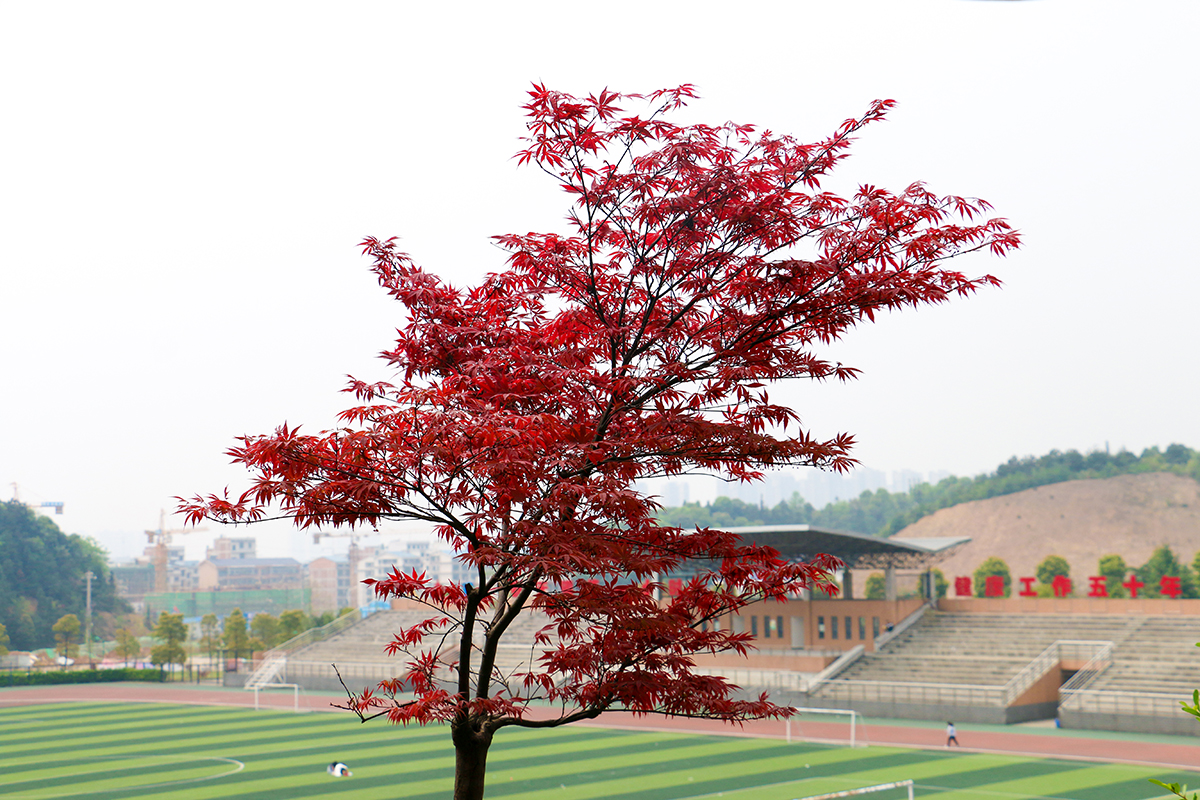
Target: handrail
{"x":1002,"y":695}
{"x":988,"y":687}
{"x":267,"y":670}
{"x":1092,"y":669}
{"x":1045,"y":661}
{"x":314,"y":635}
{"x":842,"y":690}
{"x":1139,"y":704}
{"x":839,"y":665}
{"x":906,"y":623}
{"x":276,"y":659}
{"x":746,"y":677}
{"x":1029,"y":674}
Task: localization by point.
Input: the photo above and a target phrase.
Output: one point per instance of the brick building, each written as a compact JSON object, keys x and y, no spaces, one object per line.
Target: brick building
{"x":222,"y":574}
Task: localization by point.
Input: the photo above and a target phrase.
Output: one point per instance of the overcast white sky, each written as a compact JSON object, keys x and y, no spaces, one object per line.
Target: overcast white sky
{"x":182,"y":187}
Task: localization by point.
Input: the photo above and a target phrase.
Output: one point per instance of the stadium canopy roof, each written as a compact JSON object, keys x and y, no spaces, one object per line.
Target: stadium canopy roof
{"x":858,"y":550}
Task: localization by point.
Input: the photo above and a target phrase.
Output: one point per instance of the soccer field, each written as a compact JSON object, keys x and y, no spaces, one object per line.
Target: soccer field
{"x":121,"y":751}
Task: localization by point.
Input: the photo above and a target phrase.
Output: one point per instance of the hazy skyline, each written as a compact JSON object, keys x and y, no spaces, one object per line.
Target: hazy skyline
{"x":182,"y":189}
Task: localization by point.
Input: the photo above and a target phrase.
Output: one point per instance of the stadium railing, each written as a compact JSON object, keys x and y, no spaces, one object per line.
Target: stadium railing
{"x":836,"y":668}
{"x":922,"y":693}
{"x":1126,"y":703}
{"x":764,"y":678}
{"x":906,"y":623}
{"x":1098,"y":652}
{"x":275,"y":659}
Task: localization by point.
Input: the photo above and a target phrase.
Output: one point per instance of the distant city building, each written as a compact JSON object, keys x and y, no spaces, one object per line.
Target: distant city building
{"x":330,"y":580}
{"x":223,"y":574}
{"x":134,"y":580}
{"x":425,"y":555}
{"x":226,"y":548}
{"x":182,"y":575}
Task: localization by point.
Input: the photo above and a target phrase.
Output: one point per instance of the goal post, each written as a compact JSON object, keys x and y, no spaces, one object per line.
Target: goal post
{"x":864,"y":790}
{"x":295,"y":687}
{"x":855,"y":721}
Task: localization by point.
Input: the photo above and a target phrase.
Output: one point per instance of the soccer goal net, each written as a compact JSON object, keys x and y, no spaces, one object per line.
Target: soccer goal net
{"x":892,"y":788}
{"x":297,"y":694}
{"x":827,"y":725}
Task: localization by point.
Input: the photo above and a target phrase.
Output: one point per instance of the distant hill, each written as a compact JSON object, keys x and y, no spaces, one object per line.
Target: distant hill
{"x":1080,"y":520}
{"x":883,"y":513}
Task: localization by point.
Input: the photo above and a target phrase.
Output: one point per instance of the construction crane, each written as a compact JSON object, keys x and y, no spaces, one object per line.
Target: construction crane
{"x":351,"y":556}
{"x":160,"y":539}
{"x":57,"y":505}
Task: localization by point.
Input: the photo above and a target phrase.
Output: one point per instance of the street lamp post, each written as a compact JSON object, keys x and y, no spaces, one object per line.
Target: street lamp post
{"x":89,"y":575}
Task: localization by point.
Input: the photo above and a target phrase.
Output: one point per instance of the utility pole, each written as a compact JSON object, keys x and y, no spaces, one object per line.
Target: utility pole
{"x":89,"y":575}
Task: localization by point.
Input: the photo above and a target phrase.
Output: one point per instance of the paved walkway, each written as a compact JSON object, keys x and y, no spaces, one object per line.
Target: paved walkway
{"x":1155,"y":750}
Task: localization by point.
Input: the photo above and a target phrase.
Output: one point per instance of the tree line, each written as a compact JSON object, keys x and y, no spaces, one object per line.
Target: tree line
{"x":1115,"y":571}
{"x":1113,"y":568}
{"x":42,"y":577}
{"x":235,"y":636}
{"x":883,"y":513}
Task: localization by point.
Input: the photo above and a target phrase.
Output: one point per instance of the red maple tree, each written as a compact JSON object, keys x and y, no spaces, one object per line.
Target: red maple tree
{"x":702,"y":264}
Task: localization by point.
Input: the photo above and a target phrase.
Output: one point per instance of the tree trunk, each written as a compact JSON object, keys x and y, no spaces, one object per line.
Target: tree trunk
{"x":471,"y":743}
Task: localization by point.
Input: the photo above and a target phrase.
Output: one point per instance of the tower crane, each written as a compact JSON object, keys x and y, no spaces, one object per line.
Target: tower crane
{"x":57,"y":505}
{"x":160,"y":539}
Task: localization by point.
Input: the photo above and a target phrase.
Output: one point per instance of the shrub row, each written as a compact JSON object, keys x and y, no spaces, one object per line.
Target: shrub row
{"x":15,"y":678}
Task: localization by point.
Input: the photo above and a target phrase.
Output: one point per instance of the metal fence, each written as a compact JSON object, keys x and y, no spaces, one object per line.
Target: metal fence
{"x":1143,"y":704}
{"x":314,"y":635}
{"x":765,"y":678}
{"x":274,"y":662}
{"x":920,"y":693}
{"x":1097,"y":653}
{"x":297,"y":671}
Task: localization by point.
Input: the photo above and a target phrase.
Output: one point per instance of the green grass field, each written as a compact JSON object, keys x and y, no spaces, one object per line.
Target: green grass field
{"x":122,"y":751}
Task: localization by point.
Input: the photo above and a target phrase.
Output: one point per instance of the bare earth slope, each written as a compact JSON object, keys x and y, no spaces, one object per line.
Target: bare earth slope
{"x":1129,"y":515}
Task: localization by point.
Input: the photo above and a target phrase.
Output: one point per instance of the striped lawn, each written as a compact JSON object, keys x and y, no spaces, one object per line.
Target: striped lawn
{"x":109,"y":750}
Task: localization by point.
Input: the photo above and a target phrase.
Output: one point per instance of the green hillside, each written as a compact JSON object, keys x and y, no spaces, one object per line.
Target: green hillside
{"x":883,"y":513}
{"x":42,"y":576}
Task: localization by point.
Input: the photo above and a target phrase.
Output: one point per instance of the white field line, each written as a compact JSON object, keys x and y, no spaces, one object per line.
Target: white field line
{"x":997,"y":793}
{"x":740,"y":789}
{"x":990,"y":793}
{"x":238,"y":767}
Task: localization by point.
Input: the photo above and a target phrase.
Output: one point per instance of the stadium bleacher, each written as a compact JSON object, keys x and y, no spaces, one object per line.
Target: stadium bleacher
{"x":965,"y":665}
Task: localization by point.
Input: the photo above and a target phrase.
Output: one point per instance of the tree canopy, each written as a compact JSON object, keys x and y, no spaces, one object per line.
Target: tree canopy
{"x":1114,"y":569}
{"x":993,"y":567}
{"x":1051,"y":567}
{"x":265,"y":630}
{"x":128,"y":647}
{"x":702,"y":264}
{"x":171,"y":633}
{"x":66,"y":636}
{"x":1163,"y":561}
{"x":292,"y":623}
{"x":235,"y":636}
{"x":42,"y":576}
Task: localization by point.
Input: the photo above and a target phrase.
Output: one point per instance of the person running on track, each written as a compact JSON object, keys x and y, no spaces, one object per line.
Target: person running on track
{"x":950,"y":735}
